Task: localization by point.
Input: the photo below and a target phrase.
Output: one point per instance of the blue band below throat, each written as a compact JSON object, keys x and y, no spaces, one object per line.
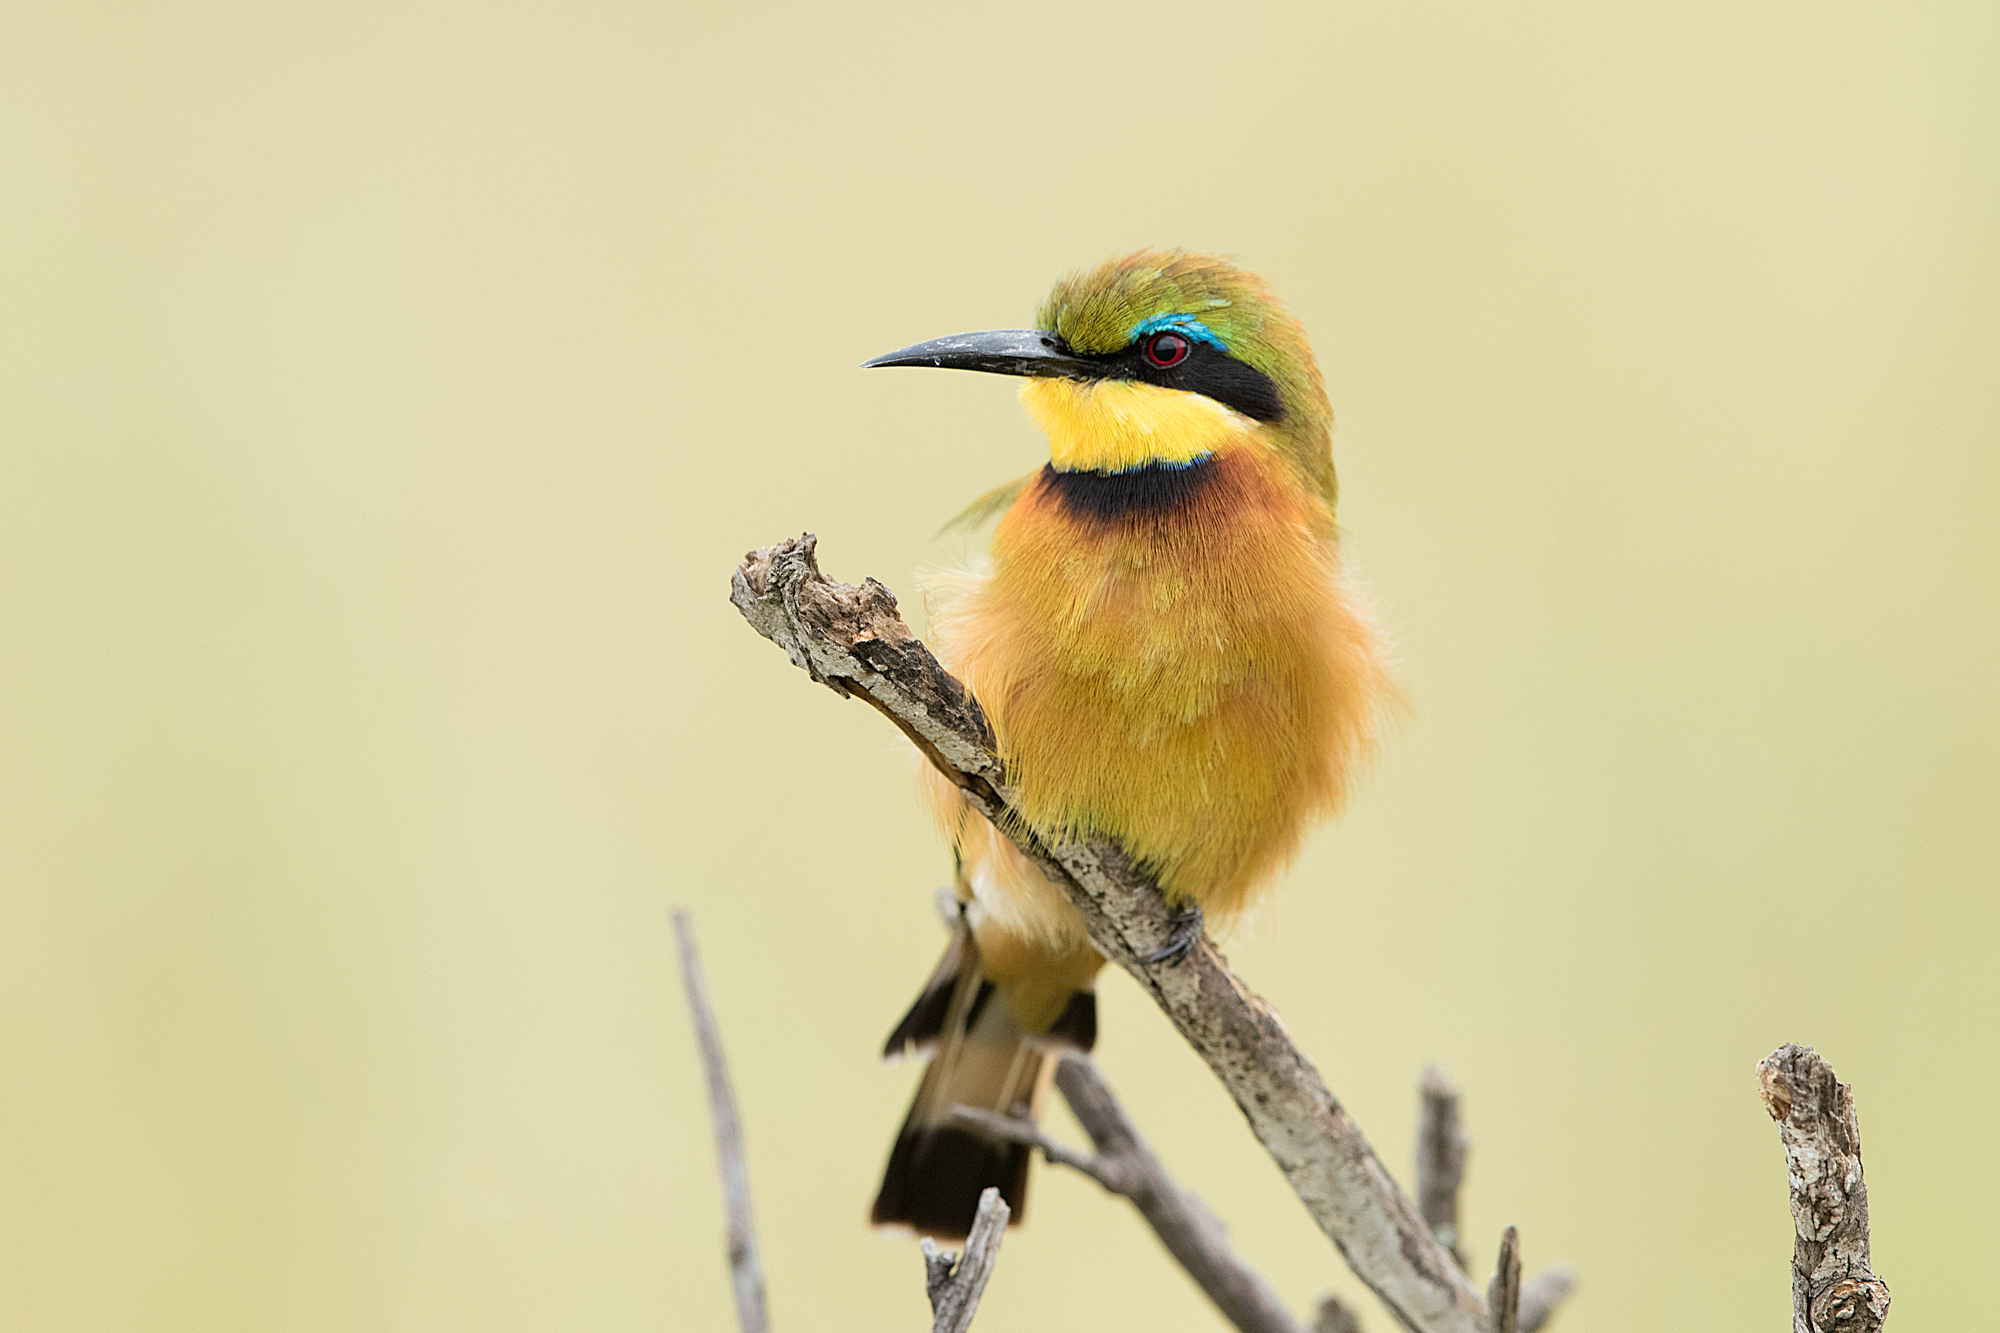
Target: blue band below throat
{"x":1152,"y":465}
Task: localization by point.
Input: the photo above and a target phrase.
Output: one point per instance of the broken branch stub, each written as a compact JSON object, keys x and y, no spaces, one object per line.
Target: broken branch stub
{"x":955,"y":1282}
{"x":1441,"y":1146}
{"x":1834,"y":1290}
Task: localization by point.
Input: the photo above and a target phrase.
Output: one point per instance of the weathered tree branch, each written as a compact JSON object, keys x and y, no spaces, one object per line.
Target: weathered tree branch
{"x":955,"y":1282}
{"x":1126,"y":1166}
{"x":746,"y":1269}
{"x":852,"y":640}
{"x":1184,"y":1223}
{"x":1441,"y":1148}
{"x":1833,"y":1288}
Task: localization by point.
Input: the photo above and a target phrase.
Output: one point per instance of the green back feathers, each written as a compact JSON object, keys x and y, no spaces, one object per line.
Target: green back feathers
{"x":1097,"y":311}
{"x":990,"y":505}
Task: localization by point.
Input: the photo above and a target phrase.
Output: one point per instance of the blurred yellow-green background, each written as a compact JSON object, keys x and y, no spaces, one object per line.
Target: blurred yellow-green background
{"x":386,"y":393}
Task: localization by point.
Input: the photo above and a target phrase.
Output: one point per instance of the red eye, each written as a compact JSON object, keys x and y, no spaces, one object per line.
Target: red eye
{"x":1167,"y":349}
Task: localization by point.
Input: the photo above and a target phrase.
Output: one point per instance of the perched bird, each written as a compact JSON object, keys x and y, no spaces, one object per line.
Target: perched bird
{"x":1169,"y":655}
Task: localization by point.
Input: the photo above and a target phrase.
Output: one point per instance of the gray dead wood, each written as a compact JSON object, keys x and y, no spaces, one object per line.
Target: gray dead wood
{"x":955,"y":1282}
{"x":1441,"y":1154}
{"x":1441,"y":1146}
{"x":1503,"y":1293}
{"x":1124,"y":1164}
{"x":1833,"y":1288}
{"x":746,"y":1268}
{"x":852,"y":640}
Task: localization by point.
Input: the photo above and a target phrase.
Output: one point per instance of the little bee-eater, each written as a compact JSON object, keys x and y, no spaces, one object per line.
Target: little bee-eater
{"x":1169,"y":655}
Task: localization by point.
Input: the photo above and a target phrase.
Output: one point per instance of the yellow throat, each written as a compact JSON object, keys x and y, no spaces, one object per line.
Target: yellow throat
{"x":1116,"y":425}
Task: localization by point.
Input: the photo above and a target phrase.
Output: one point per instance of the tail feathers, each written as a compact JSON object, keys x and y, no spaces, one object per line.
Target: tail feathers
{"x":921,"y":1027}
{"x":1076,"y":1026}
{"x":936,"y":1175}
{"x":984,"y":1059}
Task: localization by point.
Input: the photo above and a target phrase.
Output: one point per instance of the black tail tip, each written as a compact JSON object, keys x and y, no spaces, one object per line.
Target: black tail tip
{"x":936,"y":1175}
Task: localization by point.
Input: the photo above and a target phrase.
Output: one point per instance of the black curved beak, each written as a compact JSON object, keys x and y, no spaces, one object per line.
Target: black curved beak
{"x":997,"y":352}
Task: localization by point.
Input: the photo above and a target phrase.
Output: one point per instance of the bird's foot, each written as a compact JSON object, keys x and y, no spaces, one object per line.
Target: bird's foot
{"x":1187,"y":927}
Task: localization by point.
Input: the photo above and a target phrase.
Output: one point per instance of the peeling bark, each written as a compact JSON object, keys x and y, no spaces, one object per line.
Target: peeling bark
{"x":1833,"y":1288}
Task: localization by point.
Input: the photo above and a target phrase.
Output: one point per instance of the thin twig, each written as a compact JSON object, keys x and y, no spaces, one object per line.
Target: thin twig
{"x":1125,"y":1165}
{"x":1020,"y":1129}
{"x":1441,"y":1148}
{"x":1544,"y":1294}
{"x":1834,"y":1290}
{"x":852,"y":640}
{"x":1441,"y":1152}
{"x":1503,"y":1293}
{"x":1334,"y":1317}
{"x":746,"y":1269}
{"x":955,"y":1282}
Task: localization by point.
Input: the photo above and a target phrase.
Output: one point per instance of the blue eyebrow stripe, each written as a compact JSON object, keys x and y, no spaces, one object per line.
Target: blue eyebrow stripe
{"x":1186,"y":325}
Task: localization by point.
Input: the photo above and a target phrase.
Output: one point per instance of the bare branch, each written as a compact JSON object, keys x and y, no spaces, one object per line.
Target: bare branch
{"x":1185,"y":1225}
{"x":955,"y":1282}
{"x":1441,"y":1152}
{"x":1334,"y":1317}
{"x":1441,"y":1148}
{"x":1544,"y":1294}
{"x":1833,"y":1288}
{"x":1503,"y":1293}
{"x":746,"y":1269}
{"x":852,"y":640}
{"x":1126,"y":1166}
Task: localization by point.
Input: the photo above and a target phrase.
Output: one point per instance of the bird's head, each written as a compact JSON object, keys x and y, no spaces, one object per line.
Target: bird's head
{"x":1160,"y":358}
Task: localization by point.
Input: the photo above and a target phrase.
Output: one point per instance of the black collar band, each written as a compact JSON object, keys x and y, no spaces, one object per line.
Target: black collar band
{"x":1154,"y":489}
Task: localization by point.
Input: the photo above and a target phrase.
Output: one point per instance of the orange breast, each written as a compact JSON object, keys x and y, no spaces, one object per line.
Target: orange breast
{"x":1184,"y":670}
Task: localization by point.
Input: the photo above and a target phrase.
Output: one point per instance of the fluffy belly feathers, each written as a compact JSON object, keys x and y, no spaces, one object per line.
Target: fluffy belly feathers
{"x":1170,"y":659}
